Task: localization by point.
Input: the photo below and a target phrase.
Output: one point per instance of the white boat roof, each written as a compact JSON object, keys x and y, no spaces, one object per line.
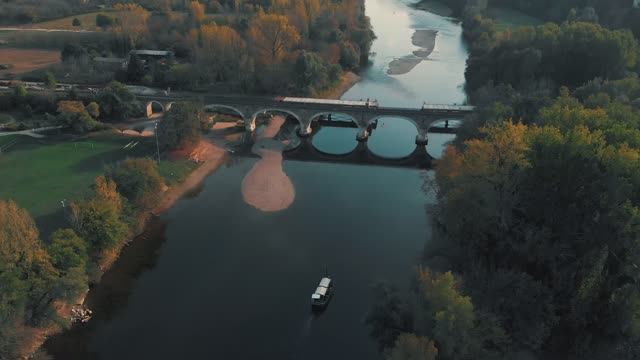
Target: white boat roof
{"x":315,"y":296}
{"x":325,"y":282}
{"x":321,"y":290}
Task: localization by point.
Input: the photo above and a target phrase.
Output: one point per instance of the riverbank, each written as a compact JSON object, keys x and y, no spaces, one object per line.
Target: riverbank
{"x":348,"y":80}
{"x":434,"y":6}
{"x":210,"y":157}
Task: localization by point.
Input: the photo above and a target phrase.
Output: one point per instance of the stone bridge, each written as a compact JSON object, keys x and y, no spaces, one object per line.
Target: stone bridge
{"x":307,"y":110}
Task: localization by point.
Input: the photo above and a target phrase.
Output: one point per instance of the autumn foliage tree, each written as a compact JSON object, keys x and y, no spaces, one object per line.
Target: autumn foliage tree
{"x":132,"y":24}
{"x":221,"y":51}
{"x":272,"y":36}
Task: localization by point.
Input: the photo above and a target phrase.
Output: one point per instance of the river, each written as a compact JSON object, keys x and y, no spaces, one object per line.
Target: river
{"x":215,"y":278}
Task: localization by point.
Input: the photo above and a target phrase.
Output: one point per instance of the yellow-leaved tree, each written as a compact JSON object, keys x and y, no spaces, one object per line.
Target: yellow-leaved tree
{"x":272,"y":36}
{"x":133,"y":22}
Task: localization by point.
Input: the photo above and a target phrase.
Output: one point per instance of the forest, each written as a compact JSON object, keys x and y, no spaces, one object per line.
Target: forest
{"x":245,"y":46}
{"x":534,"y":252}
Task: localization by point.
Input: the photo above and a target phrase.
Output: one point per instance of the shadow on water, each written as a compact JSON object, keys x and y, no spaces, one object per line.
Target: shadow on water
{"x":110,"y":296}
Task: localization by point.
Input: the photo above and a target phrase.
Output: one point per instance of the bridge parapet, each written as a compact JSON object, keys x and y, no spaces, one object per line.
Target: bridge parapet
{"x":305,"y":111}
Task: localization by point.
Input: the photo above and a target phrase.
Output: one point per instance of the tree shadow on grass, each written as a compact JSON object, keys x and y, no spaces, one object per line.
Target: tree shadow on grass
{"x":98,"y":161}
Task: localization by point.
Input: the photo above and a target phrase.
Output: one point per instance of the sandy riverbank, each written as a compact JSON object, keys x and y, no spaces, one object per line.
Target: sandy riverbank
{"x":267,"y":187}
{"x":211,"y":158}
{"x":426,"y":41}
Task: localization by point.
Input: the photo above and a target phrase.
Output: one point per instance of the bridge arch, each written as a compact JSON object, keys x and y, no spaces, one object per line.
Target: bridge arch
{"x":412,"y":121}
{"x":213,"y":107}
{"x":252,"y":121}
{"x":327,"y":113}
{"x":150,"y":109}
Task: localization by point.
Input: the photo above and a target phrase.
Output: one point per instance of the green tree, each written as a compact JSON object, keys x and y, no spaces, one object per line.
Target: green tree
{"x":116,"y":101}
{"x":67,"y":250}
{"x":349,"y":56}
{"x":138,"y":180}
{"x":444,"y":313}
{"x":98,"y":219}
{"x":388,"y":317}
{"x":50,"y":80}
{"x":25,"y":264}
{"x":104,"y":21}
{"x":76,"y":22}
{"x":412,"y":347}
{"x":73,"y":282}
{"x":93,"y":109}
{"x":312,"y":73}
{"x":75,"y":115}
{"x":180,"y":127}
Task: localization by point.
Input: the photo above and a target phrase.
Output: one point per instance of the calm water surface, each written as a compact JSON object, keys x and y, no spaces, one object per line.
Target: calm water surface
{"x":218,"y":279}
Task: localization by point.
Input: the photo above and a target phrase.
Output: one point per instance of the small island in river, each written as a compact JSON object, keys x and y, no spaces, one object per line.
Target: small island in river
{"x":426,"y":41}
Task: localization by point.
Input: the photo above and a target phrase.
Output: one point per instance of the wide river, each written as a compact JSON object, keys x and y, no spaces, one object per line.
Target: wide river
{"x":215,"y":278}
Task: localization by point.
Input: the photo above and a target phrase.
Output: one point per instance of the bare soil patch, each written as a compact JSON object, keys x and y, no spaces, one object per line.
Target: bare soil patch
{"x":26,"y":60}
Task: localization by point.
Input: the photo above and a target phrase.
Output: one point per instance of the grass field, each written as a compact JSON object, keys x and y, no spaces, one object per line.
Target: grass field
{"x":26,"y":60}
{"x":39,"y":174}
{"x":509,"y":18}
{"x":87,"y":22}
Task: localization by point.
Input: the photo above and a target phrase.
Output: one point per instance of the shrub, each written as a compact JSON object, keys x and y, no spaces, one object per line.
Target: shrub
{"x":138,"y":180}
{"x":104,"y":21}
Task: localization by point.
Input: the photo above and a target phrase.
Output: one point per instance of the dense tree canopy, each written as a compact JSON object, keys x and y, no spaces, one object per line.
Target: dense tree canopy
{"x":138,"y":180}
{"x":535,"y":245}
{"x":181,"y":126}
{"x":550,"y":52}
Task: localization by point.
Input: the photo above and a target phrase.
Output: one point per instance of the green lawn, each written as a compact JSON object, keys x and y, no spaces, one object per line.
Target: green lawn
{"x":175,"y":172}
{"x":39,"y":174}
{"x":509,"y":18}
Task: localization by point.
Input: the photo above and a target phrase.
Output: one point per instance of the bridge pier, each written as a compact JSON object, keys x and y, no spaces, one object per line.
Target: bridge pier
{"x":250,"y":125}
{"x":363,"y":135}
{"x":422,"y":138}
{"x":305,"y":131}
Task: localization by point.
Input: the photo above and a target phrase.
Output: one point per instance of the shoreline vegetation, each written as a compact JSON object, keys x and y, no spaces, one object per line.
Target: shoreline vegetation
{"x":434,"y":6}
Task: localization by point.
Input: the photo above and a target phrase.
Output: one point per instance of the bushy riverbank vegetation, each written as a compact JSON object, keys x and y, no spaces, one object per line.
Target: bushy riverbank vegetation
{"x":534,"y":253}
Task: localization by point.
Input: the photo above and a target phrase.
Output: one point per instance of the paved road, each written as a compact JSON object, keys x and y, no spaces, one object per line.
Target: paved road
{"x":31,"y":132}
{"x":44,"y":30}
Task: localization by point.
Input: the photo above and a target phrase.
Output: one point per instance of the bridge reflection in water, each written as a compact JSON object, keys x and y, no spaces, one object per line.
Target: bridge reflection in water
{"x":303,"y":149}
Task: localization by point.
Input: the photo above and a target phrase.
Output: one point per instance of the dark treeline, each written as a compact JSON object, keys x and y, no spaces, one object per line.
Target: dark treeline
{"x":535,"y":251}
{"x":28,"y":11}
{"x":611,"y":13}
